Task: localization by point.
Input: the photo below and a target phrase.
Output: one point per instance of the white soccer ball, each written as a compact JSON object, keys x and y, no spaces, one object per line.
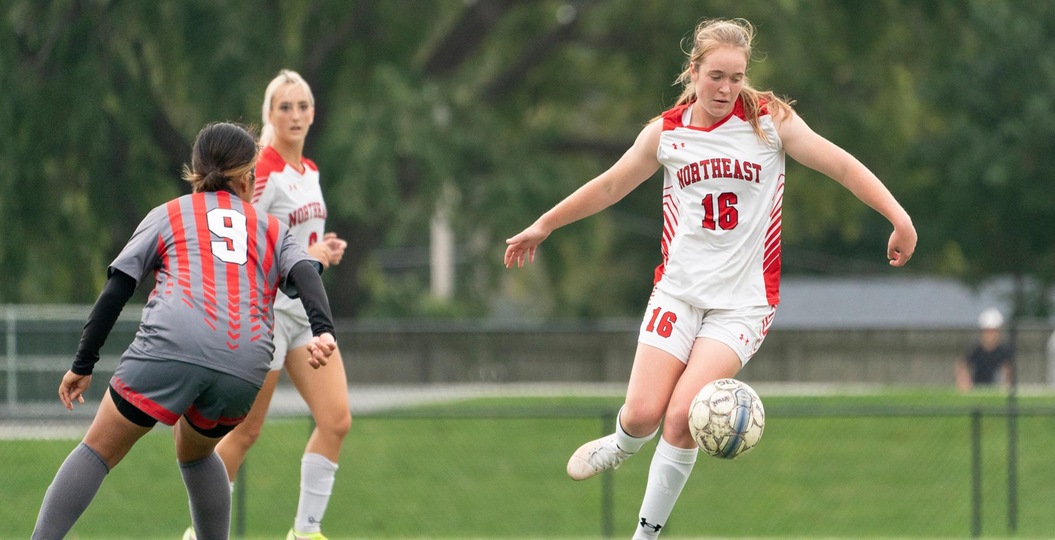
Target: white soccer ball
{"x":726,"y":418}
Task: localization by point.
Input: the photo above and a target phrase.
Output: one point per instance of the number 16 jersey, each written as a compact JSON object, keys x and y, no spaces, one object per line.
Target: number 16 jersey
{"x":722,"y":194}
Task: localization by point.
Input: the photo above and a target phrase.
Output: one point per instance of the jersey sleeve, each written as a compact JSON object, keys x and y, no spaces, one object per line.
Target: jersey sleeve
{"x":141,"y":254}
{"x":288,"y":252}
{"x":264,"y":191}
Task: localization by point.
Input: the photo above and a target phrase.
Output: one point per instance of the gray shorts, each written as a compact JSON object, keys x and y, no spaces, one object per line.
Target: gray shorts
{"x":213,"y":402}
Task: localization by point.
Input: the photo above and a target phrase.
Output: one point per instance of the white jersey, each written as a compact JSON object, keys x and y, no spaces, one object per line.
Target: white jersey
{"x":722,"y":193}
{"x":295,"y":198}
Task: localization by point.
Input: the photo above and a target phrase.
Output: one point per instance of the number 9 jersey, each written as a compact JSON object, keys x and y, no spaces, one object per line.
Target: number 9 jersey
{"x":722,"y":193}
{"x":218,"y":264}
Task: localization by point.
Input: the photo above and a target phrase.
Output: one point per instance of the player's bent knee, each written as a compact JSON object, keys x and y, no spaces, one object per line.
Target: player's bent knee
{"x":244,"y":436}
{"x":639,"y":421}
{"x":678,"y":416}
{"x":338,"y":425}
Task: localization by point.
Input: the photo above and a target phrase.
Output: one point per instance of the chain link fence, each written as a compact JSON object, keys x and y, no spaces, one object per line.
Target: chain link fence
{"x":485,"y":457}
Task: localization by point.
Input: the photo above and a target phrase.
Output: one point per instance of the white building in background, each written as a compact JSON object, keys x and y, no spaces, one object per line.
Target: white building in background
{"x":886,"y":302}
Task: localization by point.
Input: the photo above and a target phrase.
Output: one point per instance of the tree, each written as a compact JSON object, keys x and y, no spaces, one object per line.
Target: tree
{"x":501,"y":108}
{"x":986,"y":156}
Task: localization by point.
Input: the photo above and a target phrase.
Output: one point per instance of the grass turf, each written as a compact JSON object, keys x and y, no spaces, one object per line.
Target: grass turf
{"x":888,"y":464}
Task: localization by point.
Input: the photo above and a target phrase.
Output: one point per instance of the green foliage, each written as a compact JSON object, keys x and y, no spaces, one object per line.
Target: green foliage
{"x":502,"y":108}
{"x":991,"y":154}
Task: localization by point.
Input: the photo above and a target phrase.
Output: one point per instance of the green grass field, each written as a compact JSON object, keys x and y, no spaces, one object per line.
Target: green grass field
{"x":890,"y":465}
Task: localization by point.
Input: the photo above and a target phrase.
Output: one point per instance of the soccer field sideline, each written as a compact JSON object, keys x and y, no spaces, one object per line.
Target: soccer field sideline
{"x":42,"y":421}
{"x":48,"y":421}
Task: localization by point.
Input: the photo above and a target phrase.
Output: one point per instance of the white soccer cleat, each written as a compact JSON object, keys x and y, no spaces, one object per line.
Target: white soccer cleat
{"x":189,"y":534}
{"x":596,"y":456}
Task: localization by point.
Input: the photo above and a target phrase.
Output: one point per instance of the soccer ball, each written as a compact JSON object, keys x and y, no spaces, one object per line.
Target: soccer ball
{"x":726,"y":418}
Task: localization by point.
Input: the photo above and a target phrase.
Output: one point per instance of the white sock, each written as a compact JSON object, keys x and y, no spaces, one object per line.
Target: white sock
{"x":316,"y":484}
{"x":625,"y":441}
{"x":666,"y":477}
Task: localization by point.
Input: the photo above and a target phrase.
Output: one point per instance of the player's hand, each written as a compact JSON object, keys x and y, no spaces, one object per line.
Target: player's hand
{"x":902,"y":245}
{"x":523,"y":246}
{"x":336,"y":247}
{"x":321,"y":253}
{"x":320,"y":348}
{"x":72,"y":388}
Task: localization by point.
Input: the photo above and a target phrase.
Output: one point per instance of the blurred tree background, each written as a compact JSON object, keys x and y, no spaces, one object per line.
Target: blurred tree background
{"x":475,"y":116}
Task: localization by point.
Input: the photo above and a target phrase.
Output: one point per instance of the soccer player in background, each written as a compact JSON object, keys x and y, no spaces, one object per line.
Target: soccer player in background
{"x":288,"y":188}
{"x":202,"y":349}
{"x":722,"y":149}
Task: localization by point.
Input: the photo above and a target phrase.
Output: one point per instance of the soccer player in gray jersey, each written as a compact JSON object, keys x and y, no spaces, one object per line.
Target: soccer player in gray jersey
{"x":205,"y":339}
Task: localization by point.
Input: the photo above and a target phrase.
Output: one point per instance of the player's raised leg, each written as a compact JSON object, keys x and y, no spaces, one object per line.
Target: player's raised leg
{"x":652,"y":378}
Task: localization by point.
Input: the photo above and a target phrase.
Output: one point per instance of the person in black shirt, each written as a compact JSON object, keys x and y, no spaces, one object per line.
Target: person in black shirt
{"x":988,"y":356}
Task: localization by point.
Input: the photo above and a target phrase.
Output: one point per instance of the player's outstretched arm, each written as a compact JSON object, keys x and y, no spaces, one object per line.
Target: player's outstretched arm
{"x":637,"y":165}
{"x":814,"y":151}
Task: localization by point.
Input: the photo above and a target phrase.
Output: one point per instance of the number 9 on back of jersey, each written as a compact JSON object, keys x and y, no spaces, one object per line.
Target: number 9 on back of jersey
{"x":726,"y":418}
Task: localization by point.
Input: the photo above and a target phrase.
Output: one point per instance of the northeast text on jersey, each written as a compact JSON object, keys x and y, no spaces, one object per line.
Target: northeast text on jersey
{"x":706,"y":169}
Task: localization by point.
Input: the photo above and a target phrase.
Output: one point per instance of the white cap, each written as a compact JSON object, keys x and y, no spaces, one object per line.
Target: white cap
{"x":990,"y":319}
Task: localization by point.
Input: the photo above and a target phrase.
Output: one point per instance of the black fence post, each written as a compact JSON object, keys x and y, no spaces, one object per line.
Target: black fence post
{"x":976,"y":472}
{"x":607,"y":483}
{"x":1012,"y":424}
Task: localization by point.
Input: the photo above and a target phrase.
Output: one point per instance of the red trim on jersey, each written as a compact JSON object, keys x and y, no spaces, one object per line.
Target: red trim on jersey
{"x":208,"y":269}
{"x":271,"y":162}
{"x":268,"y":163}
{"x":234,"y":282}
{"x":163,"y":256}
{"x":179,"y":245}
{"x":143,"y":403}
{"x":771,"y":247}
{"x":671,"y":216}
{"x":672,"y":118}
{"x":269,"y":259}
{"x":253,"y":262}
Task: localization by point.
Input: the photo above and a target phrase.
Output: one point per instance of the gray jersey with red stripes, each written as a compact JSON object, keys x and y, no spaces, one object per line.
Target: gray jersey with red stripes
{"x":218,"y":264}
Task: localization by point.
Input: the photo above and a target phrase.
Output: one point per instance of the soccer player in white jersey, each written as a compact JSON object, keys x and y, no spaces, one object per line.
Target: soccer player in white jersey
{"x":202,"y":349}
{"x":287,"y":187}
{"x":722,"y":149}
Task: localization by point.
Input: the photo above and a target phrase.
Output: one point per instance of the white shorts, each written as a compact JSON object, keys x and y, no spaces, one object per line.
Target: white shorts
{"x":291,"y":332}
{"x":672,"y":325}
